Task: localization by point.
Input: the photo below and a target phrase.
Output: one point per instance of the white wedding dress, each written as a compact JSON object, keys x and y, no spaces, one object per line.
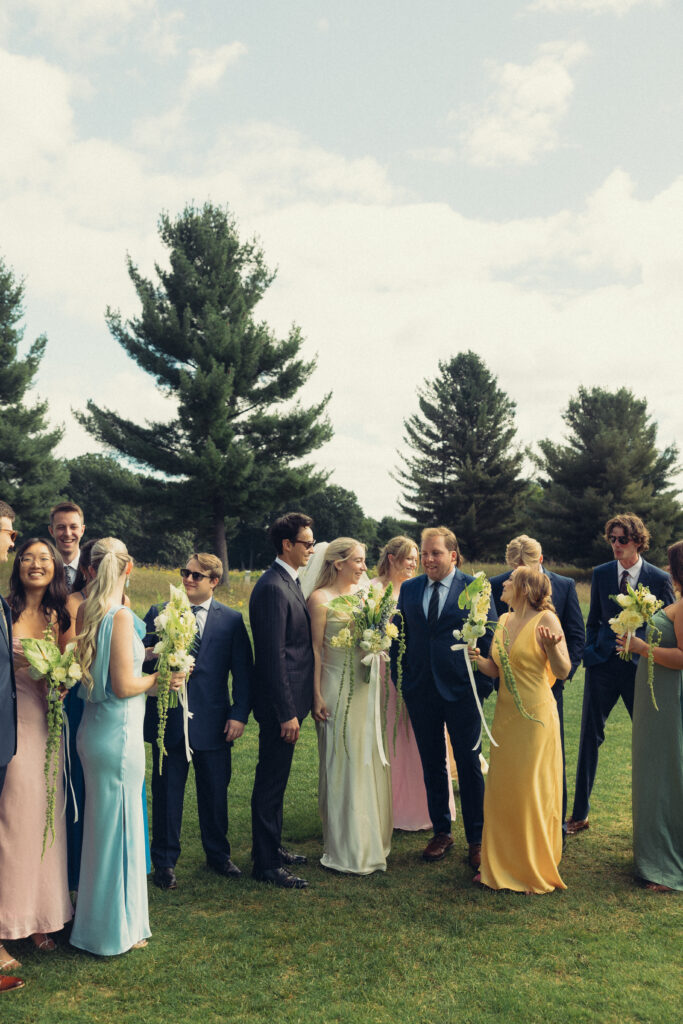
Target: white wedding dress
{"x":354,"y":798}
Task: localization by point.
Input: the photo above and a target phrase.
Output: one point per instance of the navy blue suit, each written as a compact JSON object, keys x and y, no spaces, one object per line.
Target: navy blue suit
{"x":8,"y":693}
{"x":283,"y":690}
{"x":568,"y":609}
{"x":224,"y":649}
{"x":437,"y":691}
{"x":607,"y":676}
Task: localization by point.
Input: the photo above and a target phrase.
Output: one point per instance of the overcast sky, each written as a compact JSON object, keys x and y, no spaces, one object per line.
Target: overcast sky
{"x":498,"y":175}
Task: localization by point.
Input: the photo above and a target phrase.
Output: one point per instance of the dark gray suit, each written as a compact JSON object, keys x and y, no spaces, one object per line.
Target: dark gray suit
{"x":8,"y":693}
{"x":283,"y":689}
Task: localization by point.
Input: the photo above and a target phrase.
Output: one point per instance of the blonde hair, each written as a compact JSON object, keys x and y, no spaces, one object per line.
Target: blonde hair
{"x":400,"y":547}
{"x":109,"y":558}
{"x":523,"y":550}
{"x":534,"y":587}
{"x":337,"y":551}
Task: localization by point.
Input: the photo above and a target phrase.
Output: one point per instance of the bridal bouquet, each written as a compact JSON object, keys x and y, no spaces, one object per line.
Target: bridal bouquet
{"x":61,"y":672}
{"x":176,"y":627}
{"x":637,"y":608}
{"x":369,"y":627}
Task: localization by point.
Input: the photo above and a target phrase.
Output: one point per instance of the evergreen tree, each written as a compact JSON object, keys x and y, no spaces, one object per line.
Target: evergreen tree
{"x":464,"y":470}
{"x":31,"y":479}
{"x":609,"y":464}
{"x":232,"y":451}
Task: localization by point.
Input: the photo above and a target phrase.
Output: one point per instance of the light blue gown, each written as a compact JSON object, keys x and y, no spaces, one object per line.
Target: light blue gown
{"x":111,"y":911}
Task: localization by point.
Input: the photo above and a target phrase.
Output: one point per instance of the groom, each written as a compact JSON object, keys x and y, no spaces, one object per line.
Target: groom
{"x":437,"y":690}
{"x":283,"y":691}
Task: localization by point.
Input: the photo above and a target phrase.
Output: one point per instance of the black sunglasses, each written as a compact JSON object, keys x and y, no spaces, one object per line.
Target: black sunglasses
{"x":308,"y":544}
{"x":196,"y":576}
{"x":619,"y":540}
{"x":12,"y":533}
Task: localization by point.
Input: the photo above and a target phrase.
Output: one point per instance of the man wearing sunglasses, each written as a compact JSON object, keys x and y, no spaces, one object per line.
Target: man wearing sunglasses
{"x":8,"y":693}
{"x":283,"y":691}
{"x":607,"y":676}
{"x":221,"y":649}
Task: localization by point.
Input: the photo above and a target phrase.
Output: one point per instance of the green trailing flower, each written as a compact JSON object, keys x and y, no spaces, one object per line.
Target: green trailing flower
{"x":176,"y":628}
{"x":60,"y":671}
{"x":654,"y":638}
{"x":509,"y":676}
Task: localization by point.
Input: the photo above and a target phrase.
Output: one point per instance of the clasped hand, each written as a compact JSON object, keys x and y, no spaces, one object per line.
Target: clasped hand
{"x":177,"y":680}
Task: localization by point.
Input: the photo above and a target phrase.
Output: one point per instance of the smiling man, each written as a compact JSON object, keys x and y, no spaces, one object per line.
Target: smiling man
{"x":67,"y":526}
{"x":437,"y":690}
{"x":608,"y":677}
{"x":222,"y":648}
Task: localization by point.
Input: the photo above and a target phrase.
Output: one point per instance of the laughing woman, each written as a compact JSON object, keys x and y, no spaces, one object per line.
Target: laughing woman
{"x":34,"y":894}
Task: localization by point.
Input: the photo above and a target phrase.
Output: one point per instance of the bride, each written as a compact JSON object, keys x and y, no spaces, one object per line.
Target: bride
{"x":354,"y":789}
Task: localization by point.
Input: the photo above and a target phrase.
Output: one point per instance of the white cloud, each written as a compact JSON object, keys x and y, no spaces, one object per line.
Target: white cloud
{"x":207,"y":67}
{"x":592,"y":6}
{"x":520,"y":119}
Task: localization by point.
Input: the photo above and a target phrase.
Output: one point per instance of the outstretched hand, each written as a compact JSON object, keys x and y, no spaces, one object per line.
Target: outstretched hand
{"x":548,"y":639}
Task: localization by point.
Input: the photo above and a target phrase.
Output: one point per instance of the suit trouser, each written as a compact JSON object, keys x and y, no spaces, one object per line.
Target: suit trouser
{"x":267,"y":798}
{"x":558,"y":694}
{"x":212,"y":770}
{"x":428,"y":712}
{"x":605,"y":683}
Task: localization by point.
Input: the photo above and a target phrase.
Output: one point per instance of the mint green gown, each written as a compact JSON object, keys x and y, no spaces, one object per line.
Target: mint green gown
{"x":657,"y":760}
{"x":111,"y":911}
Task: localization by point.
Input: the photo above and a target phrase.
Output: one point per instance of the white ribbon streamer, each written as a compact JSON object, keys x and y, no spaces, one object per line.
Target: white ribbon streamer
{"x":373,"y":724}
{"x":187,"y":715}
{"x":66,"y":767}
{"x":465,"y":649}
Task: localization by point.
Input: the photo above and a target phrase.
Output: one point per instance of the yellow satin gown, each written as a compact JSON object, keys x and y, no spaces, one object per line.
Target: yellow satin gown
{"x":522,"y":838}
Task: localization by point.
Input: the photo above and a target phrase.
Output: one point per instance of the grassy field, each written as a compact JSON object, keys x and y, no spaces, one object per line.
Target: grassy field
{"x":418,"y":944}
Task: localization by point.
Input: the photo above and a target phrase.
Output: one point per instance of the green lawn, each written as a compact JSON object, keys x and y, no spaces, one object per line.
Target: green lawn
{"x":418,"y":944}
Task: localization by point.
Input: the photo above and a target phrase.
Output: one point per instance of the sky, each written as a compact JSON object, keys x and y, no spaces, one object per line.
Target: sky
{"x":502,"y":176}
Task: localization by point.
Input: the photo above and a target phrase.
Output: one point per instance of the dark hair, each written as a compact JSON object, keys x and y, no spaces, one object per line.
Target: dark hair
{"x":55,"y":596}
{"x":82,"y":578}
{"x":287,"y":528}
{"x":675,"y":554}
{"x":6,"y":511}
{"x":634,"y":527}
{"x":66,"y":506}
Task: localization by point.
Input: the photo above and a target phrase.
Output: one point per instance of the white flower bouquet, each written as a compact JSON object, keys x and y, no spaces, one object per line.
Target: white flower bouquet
{"x":176,"y":628}
{"x":637,"y":608}
{"x":61,"y":671}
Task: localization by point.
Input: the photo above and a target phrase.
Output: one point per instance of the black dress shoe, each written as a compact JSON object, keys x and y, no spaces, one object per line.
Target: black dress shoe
{"x":164,"y":878}
{"x":225,"y":867}
{"x":280,"y":877}
{"x":287,"y":857}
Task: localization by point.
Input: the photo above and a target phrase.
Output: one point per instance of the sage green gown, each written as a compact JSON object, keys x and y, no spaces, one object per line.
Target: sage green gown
{"x":657,"y":749}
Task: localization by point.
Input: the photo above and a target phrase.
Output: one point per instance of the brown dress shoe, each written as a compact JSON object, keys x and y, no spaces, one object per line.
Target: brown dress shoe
{"x":576,"y":826}
{"x":437,"y":846}
{"x":474,"y":856}
{"x":9,"y":983}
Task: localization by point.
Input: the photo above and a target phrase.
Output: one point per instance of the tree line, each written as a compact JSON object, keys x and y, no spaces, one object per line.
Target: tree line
{"x":235,"y":453}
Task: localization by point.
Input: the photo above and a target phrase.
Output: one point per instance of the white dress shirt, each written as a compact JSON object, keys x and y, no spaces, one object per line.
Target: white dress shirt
{"x":444,"y":588}
{"x":201,"y":615}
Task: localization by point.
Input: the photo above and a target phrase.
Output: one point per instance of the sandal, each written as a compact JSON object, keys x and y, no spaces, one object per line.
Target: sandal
{"x":43,"y":942}
{"x":656,"y":887}
{"x":8,"y":963}
{"x":139,"y":945}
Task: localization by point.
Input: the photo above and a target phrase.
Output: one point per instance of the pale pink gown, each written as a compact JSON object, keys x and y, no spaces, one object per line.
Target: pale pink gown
{"x":34,"y":893}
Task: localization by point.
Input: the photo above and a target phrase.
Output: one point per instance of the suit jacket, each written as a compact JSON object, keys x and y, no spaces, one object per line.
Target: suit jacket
{"x":224,"y":650}
{"x":430,"y":656}
{"x":283,"y":649}
{"x":8,"y":691}
{"x":567,"y":606}
{"x":600,"y":639}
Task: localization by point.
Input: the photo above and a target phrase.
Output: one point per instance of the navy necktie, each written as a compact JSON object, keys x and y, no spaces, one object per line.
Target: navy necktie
{"x":623,"y":586}
{"x":433,"y":609}
{"x":196,"y":643}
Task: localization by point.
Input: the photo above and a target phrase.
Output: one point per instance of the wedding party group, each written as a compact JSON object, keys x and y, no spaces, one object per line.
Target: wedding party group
{"x":395,"y":697}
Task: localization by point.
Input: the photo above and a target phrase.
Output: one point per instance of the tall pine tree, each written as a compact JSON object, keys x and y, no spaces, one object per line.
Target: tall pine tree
{"x":31,"y":479}
{"x":235,"y":446}
{"x":610,"y":463}
{"x":464,"y":471}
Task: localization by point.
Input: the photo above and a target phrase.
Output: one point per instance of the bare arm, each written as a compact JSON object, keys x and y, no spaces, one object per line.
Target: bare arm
{"x":73,"y":606}
{"x":486,"y":666}
{"x":123,"y":682}
{"x":667,"y":657}
{"x":551,"y":638}
{"x":317,"y":607}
